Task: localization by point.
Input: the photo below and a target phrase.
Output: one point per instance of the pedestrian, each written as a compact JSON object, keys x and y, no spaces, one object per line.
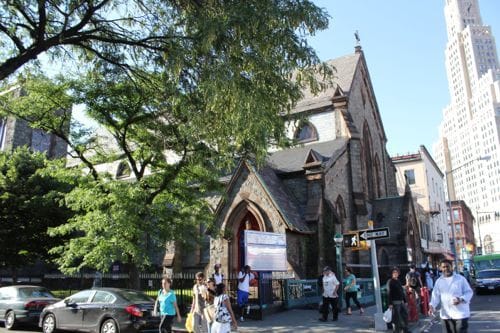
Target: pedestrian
{"x":198,"y":303}
{"x":396,"y":298}
{"x":351,"y":291}
{"x":224,"y":315}
{"x":414,"y":281}
{"x":167,"y":302}
{"x":244,"y":277}
{"x":453,"y":293}
{"x":209,"y":311}
{"x":429,"y":279}
{"x":217,"y":275}
{"x":329,"y":285}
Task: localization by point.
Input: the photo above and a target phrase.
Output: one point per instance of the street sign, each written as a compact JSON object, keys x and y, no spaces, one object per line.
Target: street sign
{"x":371,"y":234}
{"x":351,"y":240}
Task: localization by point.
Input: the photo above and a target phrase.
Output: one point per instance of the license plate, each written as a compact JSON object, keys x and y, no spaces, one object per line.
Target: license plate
{"x":491,"y":287}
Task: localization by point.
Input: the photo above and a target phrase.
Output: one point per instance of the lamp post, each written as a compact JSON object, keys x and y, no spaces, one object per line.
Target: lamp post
{"x":338,"y":238}
{"x":452,"y":223}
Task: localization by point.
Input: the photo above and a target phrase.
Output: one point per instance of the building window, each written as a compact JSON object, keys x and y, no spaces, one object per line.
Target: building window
{"x":456,"y":215}
{"x":488,"y":245}
{"x":410,"y":176}
{"x":306,"y":132}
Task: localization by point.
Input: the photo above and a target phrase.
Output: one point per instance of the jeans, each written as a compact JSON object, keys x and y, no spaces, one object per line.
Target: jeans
{"x":166,"y":324}
{"x":455,"y":325}
{"x":354,"y":296}
{"x":400,"y":317}
{"x":327,"y":301}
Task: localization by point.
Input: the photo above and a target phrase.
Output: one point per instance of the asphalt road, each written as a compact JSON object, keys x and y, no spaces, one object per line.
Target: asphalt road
{"x":485,"y":318}
{"x":485,"y":315}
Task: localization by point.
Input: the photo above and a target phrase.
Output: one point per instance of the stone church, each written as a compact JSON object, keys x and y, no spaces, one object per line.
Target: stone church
{"x":338,"y":178}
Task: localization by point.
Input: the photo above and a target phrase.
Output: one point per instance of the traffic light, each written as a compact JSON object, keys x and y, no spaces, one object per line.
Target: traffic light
{"x":351,"y":240}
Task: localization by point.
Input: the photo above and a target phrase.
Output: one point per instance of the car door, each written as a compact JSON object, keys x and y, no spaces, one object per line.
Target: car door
{"x":3,"y":298}
{"x":7,"y":300}
{"x":70,"y":316}
{"x":99,"y":306}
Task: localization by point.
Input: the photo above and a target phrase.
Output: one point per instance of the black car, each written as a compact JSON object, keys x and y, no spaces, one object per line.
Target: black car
{"x":23,"y":304}
{"x":102,"y":310}
{"x":487,"y":280}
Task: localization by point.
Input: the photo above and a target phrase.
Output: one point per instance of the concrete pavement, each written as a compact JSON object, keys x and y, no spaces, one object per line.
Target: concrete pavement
{"x":306,"y":320}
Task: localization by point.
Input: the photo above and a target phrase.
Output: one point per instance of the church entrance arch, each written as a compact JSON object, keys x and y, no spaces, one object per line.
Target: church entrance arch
{"x":245,"y":217}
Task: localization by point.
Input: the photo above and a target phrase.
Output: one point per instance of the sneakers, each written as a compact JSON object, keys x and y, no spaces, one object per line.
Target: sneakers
{"x":242,"y":319}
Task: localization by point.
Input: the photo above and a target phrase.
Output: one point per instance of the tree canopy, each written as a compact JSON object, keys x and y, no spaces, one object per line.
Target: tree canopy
{"x":32,"y":193}
{"x":219,"y":89}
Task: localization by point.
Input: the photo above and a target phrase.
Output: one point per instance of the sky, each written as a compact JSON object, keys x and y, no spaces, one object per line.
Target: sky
{"x":403,"y":42}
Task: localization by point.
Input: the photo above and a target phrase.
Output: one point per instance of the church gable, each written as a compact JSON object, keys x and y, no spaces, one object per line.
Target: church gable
{"x":264,"y":191}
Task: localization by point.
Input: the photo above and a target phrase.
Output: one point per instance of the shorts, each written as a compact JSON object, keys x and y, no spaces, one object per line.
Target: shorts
{"x":242,"y":297}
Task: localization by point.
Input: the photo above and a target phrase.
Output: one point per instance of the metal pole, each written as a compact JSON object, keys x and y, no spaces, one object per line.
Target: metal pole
{"x":339,"y":269}
{"x":452,"y":223}
{"x":380,"y":325}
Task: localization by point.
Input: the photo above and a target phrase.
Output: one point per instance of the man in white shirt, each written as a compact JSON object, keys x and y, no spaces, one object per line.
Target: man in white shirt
{"x":244,"y":277}
{"x":330,"y":285}
{"x":453,"y":293}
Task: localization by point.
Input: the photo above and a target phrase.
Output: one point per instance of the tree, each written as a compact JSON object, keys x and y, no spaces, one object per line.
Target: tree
{"x":31,"y":201}
{"x":220,"y":93}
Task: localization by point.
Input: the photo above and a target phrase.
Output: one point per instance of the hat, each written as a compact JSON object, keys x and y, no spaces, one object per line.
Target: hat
{"x":327,"y":268}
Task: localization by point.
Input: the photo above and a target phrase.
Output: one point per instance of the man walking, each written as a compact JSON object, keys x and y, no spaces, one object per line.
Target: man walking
{"x":396,"y":298}
{"x":453,"y":293}
{"x":330,"y":285}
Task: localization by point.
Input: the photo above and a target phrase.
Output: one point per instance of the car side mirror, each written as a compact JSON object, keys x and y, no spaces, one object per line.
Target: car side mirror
{"x":69,"y":303}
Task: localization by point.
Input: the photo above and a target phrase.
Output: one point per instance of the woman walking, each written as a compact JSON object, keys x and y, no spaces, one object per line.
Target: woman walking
{"x":168,"y":306}
{"x":209,"y":310}
{"x":224,"y":315}
{"x":351,"y":291}
{"x":198,"y":304}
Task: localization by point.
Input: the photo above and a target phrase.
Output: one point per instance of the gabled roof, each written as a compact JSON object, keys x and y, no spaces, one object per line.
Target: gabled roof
{"x":278,"y":194}
{"x":345,"y":67}
{"x":293,"y":159}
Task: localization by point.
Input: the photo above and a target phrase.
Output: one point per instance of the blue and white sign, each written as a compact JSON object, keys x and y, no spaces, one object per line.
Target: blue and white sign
{"x":265,"y":251}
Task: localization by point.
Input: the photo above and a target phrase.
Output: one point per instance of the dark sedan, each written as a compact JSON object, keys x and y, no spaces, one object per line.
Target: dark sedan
{"x":23,"y":304}
{"x":487,"y":280}
{"x":101,"y":310}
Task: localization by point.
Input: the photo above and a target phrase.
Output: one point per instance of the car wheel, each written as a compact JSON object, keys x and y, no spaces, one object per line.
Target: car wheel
{"x":10,"y":320}
{"x":49,"y":323}
{"x":109,"y":326}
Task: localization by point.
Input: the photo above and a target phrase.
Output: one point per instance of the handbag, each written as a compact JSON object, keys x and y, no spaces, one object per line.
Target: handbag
{"x":190,"y":322}
{"x":209,"y":312}
{"x":387,"y":316}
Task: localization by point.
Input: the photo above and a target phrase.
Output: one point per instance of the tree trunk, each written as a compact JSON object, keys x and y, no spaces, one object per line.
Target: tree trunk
{"x":134,"y":281}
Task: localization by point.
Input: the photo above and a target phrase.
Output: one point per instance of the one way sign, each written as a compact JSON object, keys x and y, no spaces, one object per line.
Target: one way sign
{"x":371,"y":234}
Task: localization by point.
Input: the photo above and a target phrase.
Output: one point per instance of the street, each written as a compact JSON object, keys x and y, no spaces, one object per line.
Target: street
{"x":485,"y":315}
{"x":485,"y":318}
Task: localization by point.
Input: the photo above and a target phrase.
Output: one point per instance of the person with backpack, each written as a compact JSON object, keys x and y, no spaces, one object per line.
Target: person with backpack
{"x":414,"y":282}
{"x":224,"y":315}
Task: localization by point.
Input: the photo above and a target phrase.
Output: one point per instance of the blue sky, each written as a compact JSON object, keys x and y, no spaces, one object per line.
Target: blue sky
{"x":403,"y":42}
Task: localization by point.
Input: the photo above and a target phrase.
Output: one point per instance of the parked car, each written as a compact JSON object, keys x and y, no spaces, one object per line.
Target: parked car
{"x":487,"y":280}
{"x":23,"y":304}
{"x":102,"y":310}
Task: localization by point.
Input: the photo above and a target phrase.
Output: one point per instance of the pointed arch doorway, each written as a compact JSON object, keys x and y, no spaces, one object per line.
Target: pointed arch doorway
{"x":245,"y":217}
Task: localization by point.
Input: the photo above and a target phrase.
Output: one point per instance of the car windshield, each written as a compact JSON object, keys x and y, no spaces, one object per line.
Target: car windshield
{"x":134,"y":296}
{"x":488,"y":274}
{"x":34,"y":292}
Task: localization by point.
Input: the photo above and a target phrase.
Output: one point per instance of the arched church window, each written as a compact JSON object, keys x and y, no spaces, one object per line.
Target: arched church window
{"x":123,"y":170}
{"x":306,"y":132}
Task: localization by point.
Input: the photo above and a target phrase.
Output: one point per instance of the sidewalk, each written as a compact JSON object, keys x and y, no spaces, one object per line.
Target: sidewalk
{"x":303,"y":320}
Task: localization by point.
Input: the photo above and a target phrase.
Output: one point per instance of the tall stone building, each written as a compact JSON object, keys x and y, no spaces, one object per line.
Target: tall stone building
{"x":338,"y":178}
{"x":15,"y":132}
{"x":469,"y":133}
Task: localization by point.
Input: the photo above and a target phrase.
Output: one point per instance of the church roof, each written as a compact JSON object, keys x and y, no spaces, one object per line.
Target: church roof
{"x":293,"y":159}
{"x":344,"y":69}
{"x":282,"y":199}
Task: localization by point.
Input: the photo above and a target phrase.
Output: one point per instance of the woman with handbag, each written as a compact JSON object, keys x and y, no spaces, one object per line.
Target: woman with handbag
{"x":224,"y":315}
{"x":166,"y":303}
{"x":209,"y":310}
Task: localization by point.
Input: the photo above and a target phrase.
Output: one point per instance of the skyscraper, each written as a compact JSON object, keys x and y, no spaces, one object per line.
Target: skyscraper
{"x":468,"y":149}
